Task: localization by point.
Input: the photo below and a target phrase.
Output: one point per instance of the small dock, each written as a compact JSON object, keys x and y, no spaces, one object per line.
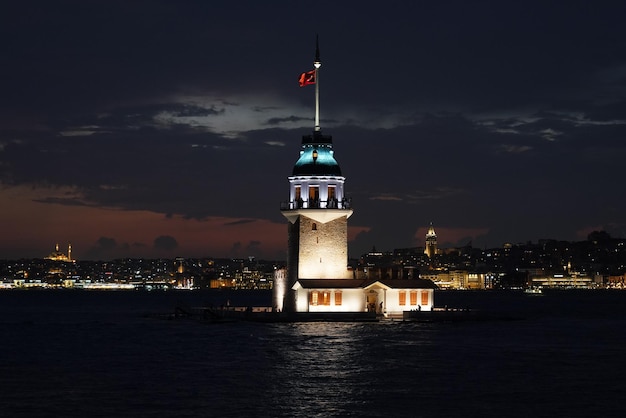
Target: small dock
{"x":456,"y":315}
{"x":268,"y":315}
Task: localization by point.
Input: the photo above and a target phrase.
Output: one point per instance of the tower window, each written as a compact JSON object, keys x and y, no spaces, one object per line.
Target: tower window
{"x":314,"y":196}
{"x":298,"y":196}
{"x":332,"y":197}
{"x":313,"y":226}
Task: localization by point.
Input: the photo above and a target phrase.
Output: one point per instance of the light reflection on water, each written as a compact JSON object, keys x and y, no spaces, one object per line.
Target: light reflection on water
{"x":341,"y":369}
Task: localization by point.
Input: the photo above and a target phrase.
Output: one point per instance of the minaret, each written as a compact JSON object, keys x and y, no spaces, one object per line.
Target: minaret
{"x":430,"y":248}
{"x":317,"y":211}
{"x":69,"y":252}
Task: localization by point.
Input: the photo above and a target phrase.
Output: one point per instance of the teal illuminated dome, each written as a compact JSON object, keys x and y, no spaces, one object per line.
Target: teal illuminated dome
{"x":316,"y":157}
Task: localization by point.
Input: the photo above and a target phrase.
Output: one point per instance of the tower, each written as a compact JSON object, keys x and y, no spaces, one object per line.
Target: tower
{"x":430,"y":249}
{"x":317,"y":210}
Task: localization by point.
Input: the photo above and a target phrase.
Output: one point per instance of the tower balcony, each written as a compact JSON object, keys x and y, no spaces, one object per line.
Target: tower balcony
{"x":316,"y":204}
{"x":321,"y":211}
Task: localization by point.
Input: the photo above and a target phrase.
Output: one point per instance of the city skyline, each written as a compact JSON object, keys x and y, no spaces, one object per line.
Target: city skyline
{"x":163,"y":129}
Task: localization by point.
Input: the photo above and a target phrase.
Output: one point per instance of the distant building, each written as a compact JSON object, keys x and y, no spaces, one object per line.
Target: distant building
{"x":430,"y":249}
{"x":57,"y":255}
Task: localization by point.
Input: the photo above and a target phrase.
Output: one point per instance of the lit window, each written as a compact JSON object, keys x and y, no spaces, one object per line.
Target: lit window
{"x":424,"y":298}
{"x":338,"y":298}
{"x":402,"y":298}
{"x":326,"y":298}
{"x":314,"y":298}
{"x":413,"y":296}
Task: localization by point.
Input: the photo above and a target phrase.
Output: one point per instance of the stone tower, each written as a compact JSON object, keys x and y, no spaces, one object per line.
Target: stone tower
{"x":317,"y":211}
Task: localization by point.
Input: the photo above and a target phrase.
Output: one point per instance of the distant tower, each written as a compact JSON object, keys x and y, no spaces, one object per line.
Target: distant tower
{"x":180,"y":269}
{"x":317,"y":212}
{"x":69,"y":252}
{"x":430,"y":249}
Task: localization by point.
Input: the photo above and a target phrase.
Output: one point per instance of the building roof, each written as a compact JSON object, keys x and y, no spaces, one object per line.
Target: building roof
{"x":363,"y":284}
{"x":317,"y":157}
{"x":403,"y":283}
{"x":330,"y":283}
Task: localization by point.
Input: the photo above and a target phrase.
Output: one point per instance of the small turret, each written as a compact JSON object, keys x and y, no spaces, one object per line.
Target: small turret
{"x":430,"y":249}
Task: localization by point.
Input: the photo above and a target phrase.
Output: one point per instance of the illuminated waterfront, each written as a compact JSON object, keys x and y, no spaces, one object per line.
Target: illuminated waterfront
{"x":77,"y":354}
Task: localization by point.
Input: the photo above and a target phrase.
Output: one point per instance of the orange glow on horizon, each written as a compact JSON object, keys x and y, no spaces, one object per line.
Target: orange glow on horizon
{"x":35,"y":227}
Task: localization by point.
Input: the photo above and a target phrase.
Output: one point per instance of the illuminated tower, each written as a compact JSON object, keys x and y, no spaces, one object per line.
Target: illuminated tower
{"x":430,"y":248}
{"x":69,"y":252}
{"x":317,"y":212}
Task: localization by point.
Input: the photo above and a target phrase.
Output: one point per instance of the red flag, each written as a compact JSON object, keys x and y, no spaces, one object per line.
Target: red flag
{"x":307,"y":78}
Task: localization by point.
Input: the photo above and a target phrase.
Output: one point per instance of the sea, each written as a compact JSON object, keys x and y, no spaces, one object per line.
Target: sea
{"x":116,"y":354}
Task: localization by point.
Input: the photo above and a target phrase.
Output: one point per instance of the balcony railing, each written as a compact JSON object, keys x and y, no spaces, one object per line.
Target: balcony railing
{"x":316,"y":204}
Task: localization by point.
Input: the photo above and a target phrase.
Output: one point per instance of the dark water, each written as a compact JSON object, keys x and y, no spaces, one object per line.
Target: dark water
{"x":96,"y":354}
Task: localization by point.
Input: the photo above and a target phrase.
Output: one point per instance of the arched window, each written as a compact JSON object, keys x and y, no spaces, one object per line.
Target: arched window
{"x":313,"y":226}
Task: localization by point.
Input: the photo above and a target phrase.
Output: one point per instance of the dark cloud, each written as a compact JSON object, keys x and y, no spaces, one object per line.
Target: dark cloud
{"x":165,"y":242}
{"x":104,"y":248}
{"x":253,"y":247}
{"x":61,"y":201}
{"x":235,"y":249}
{"x":189,"y":110}
{"x":240,"y":222}
{"x":278,"y":121}
{"x":106,"y":243}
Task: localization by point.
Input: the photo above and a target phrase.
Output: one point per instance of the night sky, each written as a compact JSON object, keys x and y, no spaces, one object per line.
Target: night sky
{"x":169,"y":128}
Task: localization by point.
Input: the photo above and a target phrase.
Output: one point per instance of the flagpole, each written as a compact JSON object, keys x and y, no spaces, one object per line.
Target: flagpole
{"x":317,"y":64}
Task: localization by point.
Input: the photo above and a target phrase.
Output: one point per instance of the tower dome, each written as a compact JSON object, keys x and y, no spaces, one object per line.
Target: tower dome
{"x":317,"y":157}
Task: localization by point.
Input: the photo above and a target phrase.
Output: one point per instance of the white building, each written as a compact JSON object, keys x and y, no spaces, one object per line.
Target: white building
{"x":389,"y":297}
